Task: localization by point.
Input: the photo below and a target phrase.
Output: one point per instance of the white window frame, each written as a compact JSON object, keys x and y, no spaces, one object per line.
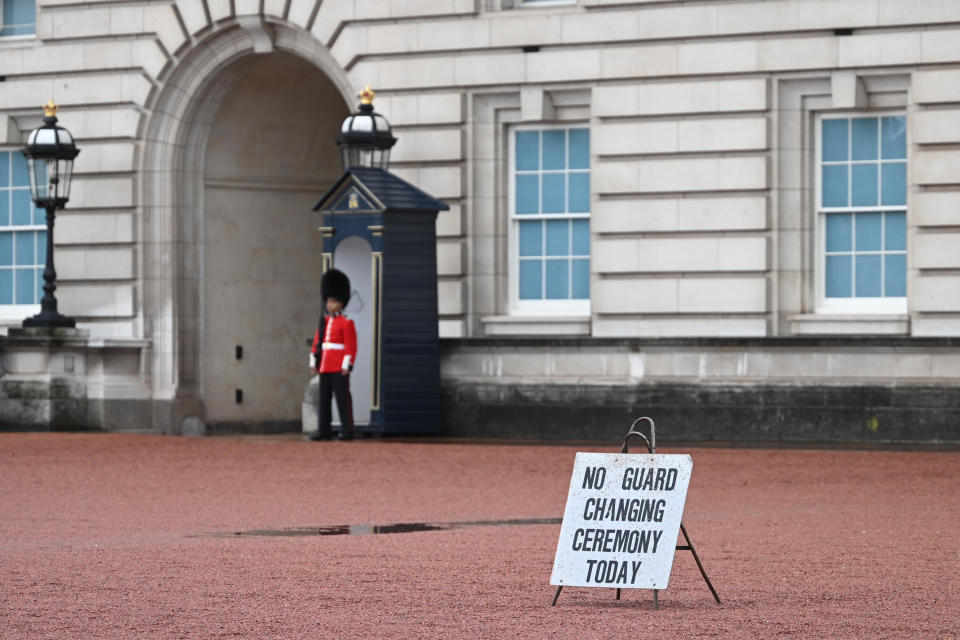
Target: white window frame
{"x":858,"y":306}
{"x":15,"y":313}
{"x":540,"y":307}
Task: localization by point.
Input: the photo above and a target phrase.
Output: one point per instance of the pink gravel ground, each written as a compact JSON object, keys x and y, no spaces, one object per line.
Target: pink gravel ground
{"x":110,"y":536}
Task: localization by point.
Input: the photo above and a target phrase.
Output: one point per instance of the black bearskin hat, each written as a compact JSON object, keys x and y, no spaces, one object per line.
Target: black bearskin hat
{"x":335,"y":284}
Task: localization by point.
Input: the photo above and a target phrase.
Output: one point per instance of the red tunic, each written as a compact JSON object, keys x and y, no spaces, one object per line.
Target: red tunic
{"x":337,"y":350}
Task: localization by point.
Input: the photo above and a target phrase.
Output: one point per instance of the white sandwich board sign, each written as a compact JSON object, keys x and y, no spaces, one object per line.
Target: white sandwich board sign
{"x":621,"y":521}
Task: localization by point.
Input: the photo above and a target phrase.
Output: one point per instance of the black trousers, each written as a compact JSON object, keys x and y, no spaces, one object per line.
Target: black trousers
{"x":335,"y":384}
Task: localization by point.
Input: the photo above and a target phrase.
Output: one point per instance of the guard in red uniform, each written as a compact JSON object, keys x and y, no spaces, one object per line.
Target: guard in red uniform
{"x":333,"y":354}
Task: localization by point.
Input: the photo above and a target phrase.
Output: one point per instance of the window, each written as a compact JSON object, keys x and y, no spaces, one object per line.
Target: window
{"x":862,"y":213}
{"x":550,"y":220}
{"x":23,"y":236}
{"x":18,"y":17}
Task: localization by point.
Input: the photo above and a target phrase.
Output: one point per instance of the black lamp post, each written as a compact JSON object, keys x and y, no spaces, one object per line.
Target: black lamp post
{"x":365,"y":138}
{"x":50,"y":152}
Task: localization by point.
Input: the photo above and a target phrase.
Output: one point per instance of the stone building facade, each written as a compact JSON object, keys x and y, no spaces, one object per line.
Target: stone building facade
{"x":740,"y":215}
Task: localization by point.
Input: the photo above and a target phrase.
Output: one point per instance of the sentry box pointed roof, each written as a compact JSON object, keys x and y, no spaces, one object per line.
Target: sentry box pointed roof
{"x":367,"y":190}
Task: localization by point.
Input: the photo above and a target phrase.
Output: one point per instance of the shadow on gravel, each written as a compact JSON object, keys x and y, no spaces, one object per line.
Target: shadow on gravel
{"x":371,"y":529}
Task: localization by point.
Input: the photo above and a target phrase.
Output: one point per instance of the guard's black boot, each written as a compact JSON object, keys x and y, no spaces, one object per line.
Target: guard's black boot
{"x":345,"y":435}
{"x":321,"y":436}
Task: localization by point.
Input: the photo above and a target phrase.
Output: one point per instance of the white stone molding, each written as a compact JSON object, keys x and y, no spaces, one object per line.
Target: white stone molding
{"x":491,"y":114}
{"x":260,"y":32}
{"x":848,"y":90}
{"x":798,"y":101}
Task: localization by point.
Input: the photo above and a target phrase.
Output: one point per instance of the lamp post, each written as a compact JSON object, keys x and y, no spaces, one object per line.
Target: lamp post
{"x":50,"y":152}
{"x":365,"y":138}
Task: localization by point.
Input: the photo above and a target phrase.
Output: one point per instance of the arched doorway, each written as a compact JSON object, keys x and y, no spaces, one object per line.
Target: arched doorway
{"x":270,"y":152}
{"x":237,"y":147}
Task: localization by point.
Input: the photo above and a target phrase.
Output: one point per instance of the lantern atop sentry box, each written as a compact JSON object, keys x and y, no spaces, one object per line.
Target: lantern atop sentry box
{"x":365,"y":138}
{"x":50,"y":152}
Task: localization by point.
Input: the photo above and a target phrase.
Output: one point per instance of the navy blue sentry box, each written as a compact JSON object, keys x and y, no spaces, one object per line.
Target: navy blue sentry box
{"x":381,"y":231}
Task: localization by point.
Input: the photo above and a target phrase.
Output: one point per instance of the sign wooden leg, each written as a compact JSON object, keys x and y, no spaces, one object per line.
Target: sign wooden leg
{"x":557,"y":595}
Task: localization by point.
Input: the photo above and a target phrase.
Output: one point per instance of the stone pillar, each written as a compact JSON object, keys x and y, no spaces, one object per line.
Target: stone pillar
{"x":42,"y":381}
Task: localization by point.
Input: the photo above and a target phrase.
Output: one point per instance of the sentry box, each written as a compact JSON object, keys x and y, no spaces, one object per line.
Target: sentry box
{"x":380,"y":230}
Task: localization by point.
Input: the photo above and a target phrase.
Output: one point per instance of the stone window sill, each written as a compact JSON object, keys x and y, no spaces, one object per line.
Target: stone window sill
{"x":849,"y":324}
{"x":536,"y":325}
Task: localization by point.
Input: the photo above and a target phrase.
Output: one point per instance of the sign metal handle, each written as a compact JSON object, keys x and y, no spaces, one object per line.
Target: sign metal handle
{"x":651,"y":442}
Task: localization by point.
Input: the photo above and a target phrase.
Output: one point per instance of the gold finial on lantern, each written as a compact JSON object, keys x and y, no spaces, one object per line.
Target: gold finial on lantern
{"x":50,"y":109}
{"x":366,"y":96}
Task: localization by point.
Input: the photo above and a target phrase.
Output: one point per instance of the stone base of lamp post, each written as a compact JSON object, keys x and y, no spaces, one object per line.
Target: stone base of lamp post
{"x":52,"y":320}
{"x":43,"y":386}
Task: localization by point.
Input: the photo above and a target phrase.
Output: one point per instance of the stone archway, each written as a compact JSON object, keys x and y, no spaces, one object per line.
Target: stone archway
{"x":269,"y":156}
{"x":230,"y":121}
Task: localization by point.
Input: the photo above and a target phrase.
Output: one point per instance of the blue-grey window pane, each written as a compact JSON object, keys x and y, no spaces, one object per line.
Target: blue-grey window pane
{"x":22,"y":208}
{"x":835,"y":186}
{"x":580,"y":284}
{"x":869,"y":277}
{"x":555,"y":149}
{"x":4,"y":168}
{"x":23,"y":243}
{"x":4,"y":208}
{"x":554,"y":193}
{"x":864,"y":131}
{"x":41,"y":247}
{"x":895,"y":233}
{"x":895,"y":278}
{"x":528,"y":150}
{"x":6,"y":248}
{"x":6,"y":286}
{"x":579,"y":192}
{"x":20,"y":176}
{"x":894,"y":177}
{"x":834,"y":140}
{"x":558,"y":279}
{"x":531,"y":279}
{"x":894,"y":133}
{"x":558,"y":237}
{"x":580,"y":246}
{"x":839,"y":272}
{"x":39,"y":215}
{"x":579,"y":149}
{"x":869,"y":231}
{"x":531,"y":238}
{"x":839,"y":232}
{"x":20,"y":13}
{"x":863,"y":191}
{"x":26,"y":286}
{"x":528,"y":194}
